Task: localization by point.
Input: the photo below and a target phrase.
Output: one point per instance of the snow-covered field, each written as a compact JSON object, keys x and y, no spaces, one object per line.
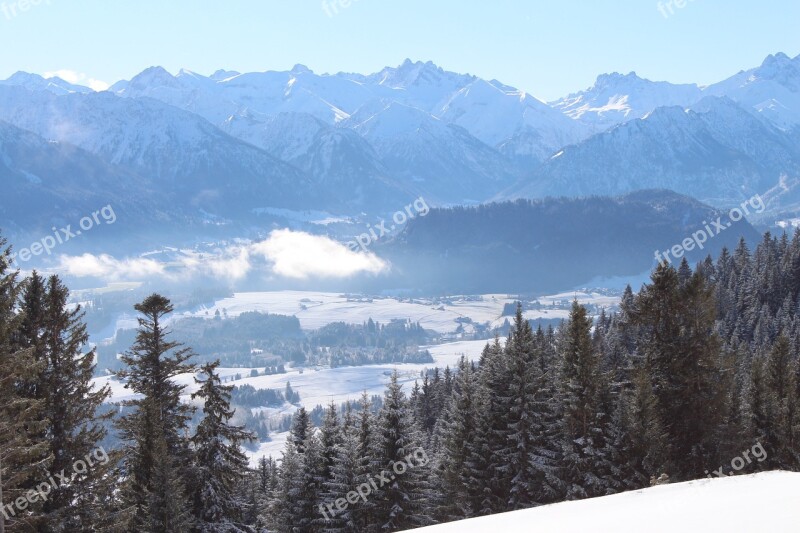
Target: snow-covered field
{"x":320,"y":387}
{"x":317,"y":309}
{"x":765,"y":502}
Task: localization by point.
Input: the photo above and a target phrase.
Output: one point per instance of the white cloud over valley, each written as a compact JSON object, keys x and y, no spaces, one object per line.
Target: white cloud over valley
{"x":285,"y":253}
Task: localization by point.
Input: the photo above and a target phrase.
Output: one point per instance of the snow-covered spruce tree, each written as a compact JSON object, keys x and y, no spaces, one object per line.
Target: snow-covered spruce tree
{"x":312,"y":479}
{"x":400,"y":503}
{"x":331,"y":440}
{"x":168,"y":507}
{"x":731,"y":429}
{"x":156,"y":454}
{"x":547,"y":394}
{"x":531,"y":455}
{"x":682,"y":355}
{"x":364,"y":513}
{"x":55,"y":336}
{"x":488,"y":463}
{"x":293,"y":507}
{"x":642,"y":446}
{"x":344,"y":475}
{"x":220,"y":466}
{"x":477,"y":458}
{"x":458,"y":433}
{"x":249,"y":488}
{"x":301,"y":478}
{"x":22,"y":456}
{"x":282,"y":517}
{"x":586,"y":463}
{"x":267,"y":482}
{"x":301,"y":430}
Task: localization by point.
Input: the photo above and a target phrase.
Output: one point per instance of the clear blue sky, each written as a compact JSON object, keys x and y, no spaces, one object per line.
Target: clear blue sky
{"x":548,"y":48}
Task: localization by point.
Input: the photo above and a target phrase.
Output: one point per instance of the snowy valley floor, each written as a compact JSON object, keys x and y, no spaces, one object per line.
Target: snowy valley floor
{"x":758,"y":503}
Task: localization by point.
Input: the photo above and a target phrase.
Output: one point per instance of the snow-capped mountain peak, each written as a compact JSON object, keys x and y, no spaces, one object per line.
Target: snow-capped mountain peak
{"x":616,"y":98}
{"x":222,"y":75}
{"x":781,"y":69}
{"x":151,"y":78}
{"x":35,"y":82}
{"x":410,"y":73}
{"x":771,"y":90}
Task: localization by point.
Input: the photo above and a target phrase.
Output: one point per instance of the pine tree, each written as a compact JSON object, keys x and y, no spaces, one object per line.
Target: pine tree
{"x":644,"y":443}
{"x":284,"y":518}
{"x":585,"y":433}
{"x":781,"y":408}
{"x":488,"y":463}
{"x":755,"y":399}
{"x":55,"y":336}
{"x":364,"y":514}
{"x":220,"y":465}
{"x":266,"y":492}
{"x":530,"y":457}
{"x":22,"y":456}
{"x":301,"y":430}
{"x":156,"y":455}
{"x":458,"y":433}
{"x":166,"y":508}
{"x":400,"y":502}
{"x":331,"y":439}
{"x":312,"y":478}
{"x":682,"y":356}
{"x":344,"y":476}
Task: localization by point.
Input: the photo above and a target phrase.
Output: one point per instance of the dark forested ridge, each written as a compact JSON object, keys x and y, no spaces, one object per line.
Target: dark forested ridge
{"x":699,"y":366}
{"x":551,"y":244}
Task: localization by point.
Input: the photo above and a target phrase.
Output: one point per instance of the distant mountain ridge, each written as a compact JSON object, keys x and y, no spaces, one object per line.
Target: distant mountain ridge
{"x":225,"y":147}
{"x":716,"y":152}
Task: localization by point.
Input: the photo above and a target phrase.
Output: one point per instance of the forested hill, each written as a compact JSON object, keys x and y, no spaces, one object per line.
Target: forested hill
{"x":552,"y":244}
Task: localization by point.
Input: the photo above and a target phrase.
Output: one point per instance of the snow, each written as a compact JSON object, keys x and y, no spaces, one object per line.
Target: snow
{"x":770,"y":90}
{"x":272,"y":448}
{"x":322,"y":385}
{"x":318,"y":386}
{"x":495,"y":114}
{"x":583,"y":298}
{"x":317,"y":309}
{"x":311,"y":216}
{"x":616,"y":98}
{"x":759,"y":502}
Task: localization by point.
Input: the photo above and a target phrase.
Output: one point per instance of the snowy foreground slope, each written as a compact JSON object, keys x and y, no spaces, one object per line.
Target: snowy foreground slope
{"x":765,"y":502}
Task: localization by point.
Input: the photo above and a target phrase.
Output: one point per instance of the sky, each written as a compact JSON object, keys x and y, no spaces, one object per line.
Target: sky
{"x":547,"y":48}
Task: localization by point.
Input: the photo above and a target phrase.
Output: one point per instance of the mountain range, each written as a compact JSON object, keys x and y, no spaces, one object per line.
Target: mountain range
{"x":218,"y":151}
